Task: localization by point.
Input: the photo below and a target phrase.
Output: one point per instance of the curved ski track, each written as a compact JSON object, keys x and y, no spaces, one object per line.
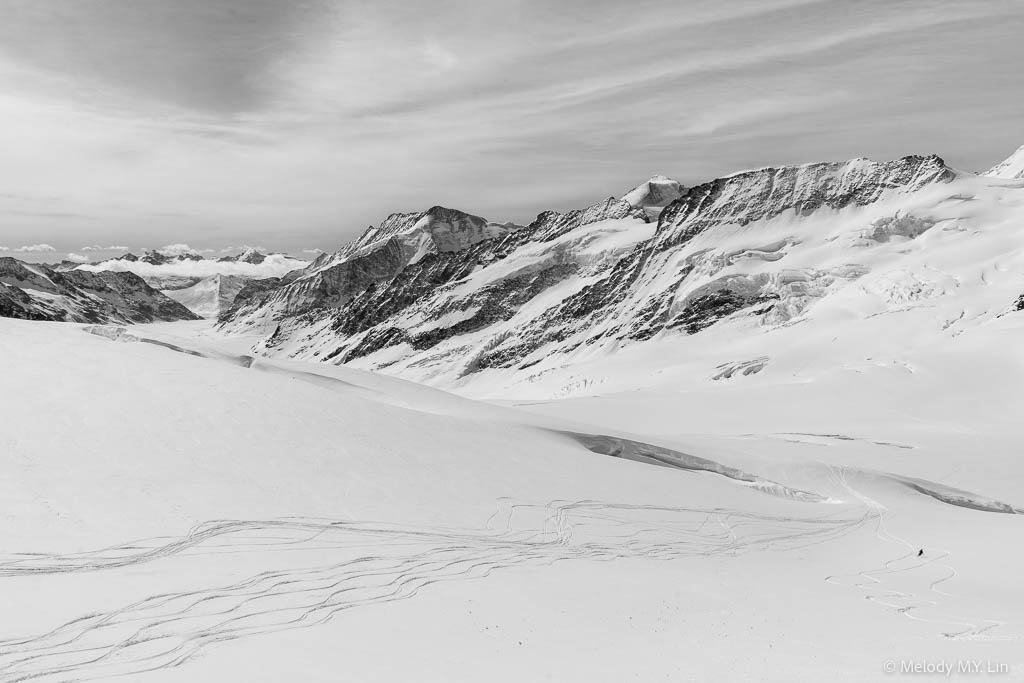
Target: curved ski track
{"x":874,"y":581}
{"x":165,"y":630}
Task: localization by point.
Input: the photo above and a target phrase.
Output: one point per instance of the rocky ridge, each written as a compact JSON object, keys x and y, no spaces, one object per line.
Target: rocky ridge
{"x":38,"y":292}
{"x":661,"y":259}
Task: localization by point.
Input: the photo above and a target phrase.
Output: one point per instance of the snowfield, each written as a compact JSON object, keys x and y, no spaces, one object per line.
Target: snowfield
{"x":773,"y":436}
{"x":177,"y":509}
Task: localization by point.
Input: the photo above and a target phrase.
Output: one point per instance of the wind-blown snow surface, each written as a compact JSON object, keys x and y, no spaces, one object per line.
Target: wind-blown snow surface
{"x":177,"y":510}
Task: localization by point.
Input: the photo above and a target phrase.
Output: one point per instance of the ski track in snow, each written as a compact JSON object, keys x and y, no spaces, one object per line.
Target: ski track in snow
{"x":165,"y":630}
{"x":336,"y":565}
{"x":910,"y":604}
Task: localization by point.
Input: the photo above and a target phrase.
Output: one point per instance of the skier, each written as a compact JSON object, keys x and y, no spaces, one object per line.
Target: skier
{"x":920,"y":552}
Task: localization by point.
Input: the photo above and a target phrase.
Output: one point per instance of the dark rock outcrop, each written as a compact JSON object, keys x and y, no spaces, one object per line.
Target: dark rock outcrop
{"x":379,"y":254}
{"x":769,"y":192}
{"x":409,"y":286}
{"x":249,"y":290}
{"x":38,"y":292}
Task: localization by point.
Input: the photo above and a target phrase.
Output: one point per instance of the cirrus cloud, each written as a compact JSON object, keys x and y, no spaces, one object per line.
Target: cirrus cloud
{"x":35,"y":247}
{"x":177,"y":118}
{"x":243,"y":248}
{"x":97,"y":247}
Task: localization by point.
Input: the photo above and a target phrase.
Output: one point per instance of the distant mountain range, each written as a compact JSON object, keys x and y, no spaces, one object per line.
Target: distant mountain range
{"x":445,"y":296}
{"x":157,"y":286}
{"x":38,"y":292}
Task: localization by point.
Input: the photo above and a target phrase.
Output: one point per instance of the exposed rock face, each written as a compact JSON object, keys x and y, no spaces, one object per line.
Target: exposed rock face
{"x":250,"y":289}
{"x":166,"y":283}
{"x":379,"y":254}
{"x":64,"y":266}
{"x":654,"y":195}
{"x":768,"y":192}
{"x":456,"y":301}
{"x":887,"y":227}
{"x":158,"y":258}
{"x":37,"y":292}
{"x":436,"y":229}
{"x":551,"y":224}
{"x":15,"y":303}
{"x":250,"y":255}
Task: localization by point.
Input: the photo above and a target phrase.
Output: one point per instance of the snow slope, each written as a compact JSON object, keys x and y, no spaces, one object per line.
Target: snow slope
{"x":848,"y":290}
{"x":772,"y":436}
{"x":265,"y":520}
{"x":210,"y":296}
{"x":1012,"y":167}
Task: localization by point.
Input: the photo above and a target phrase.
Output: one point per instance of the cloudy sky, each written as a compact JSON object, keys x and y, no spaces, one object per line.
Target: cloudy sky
{"x":296,"y":124}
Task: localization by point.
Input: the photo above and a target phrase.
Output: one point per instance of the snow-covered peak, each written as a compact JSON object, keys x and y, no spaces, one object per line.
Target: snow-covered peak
{"x":253,"y":255}
{"x":1013,"y":167}
{"x":438,"y":229}
{"x":657,"y":192}
{"x":40,"y":292}
{"x":160,"y":257}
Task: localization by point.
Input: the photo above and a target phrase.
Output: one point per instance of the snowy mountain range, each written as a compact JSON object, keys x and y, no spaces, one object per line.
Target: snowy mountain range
{"x":447,"y":298}
{"x":778,"y":412}
{"x":68,"y":290}
{"x":38,"y":292}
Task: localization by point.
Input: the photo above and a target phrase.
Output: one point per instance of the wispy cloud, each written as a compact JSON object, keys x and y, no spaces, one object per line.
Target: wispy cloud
{"x":97,"y":247}
{"x":35,"y":248}
{"x":214,"y":122}
{"x":242,"y":248}
{"x":204,"y":55}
